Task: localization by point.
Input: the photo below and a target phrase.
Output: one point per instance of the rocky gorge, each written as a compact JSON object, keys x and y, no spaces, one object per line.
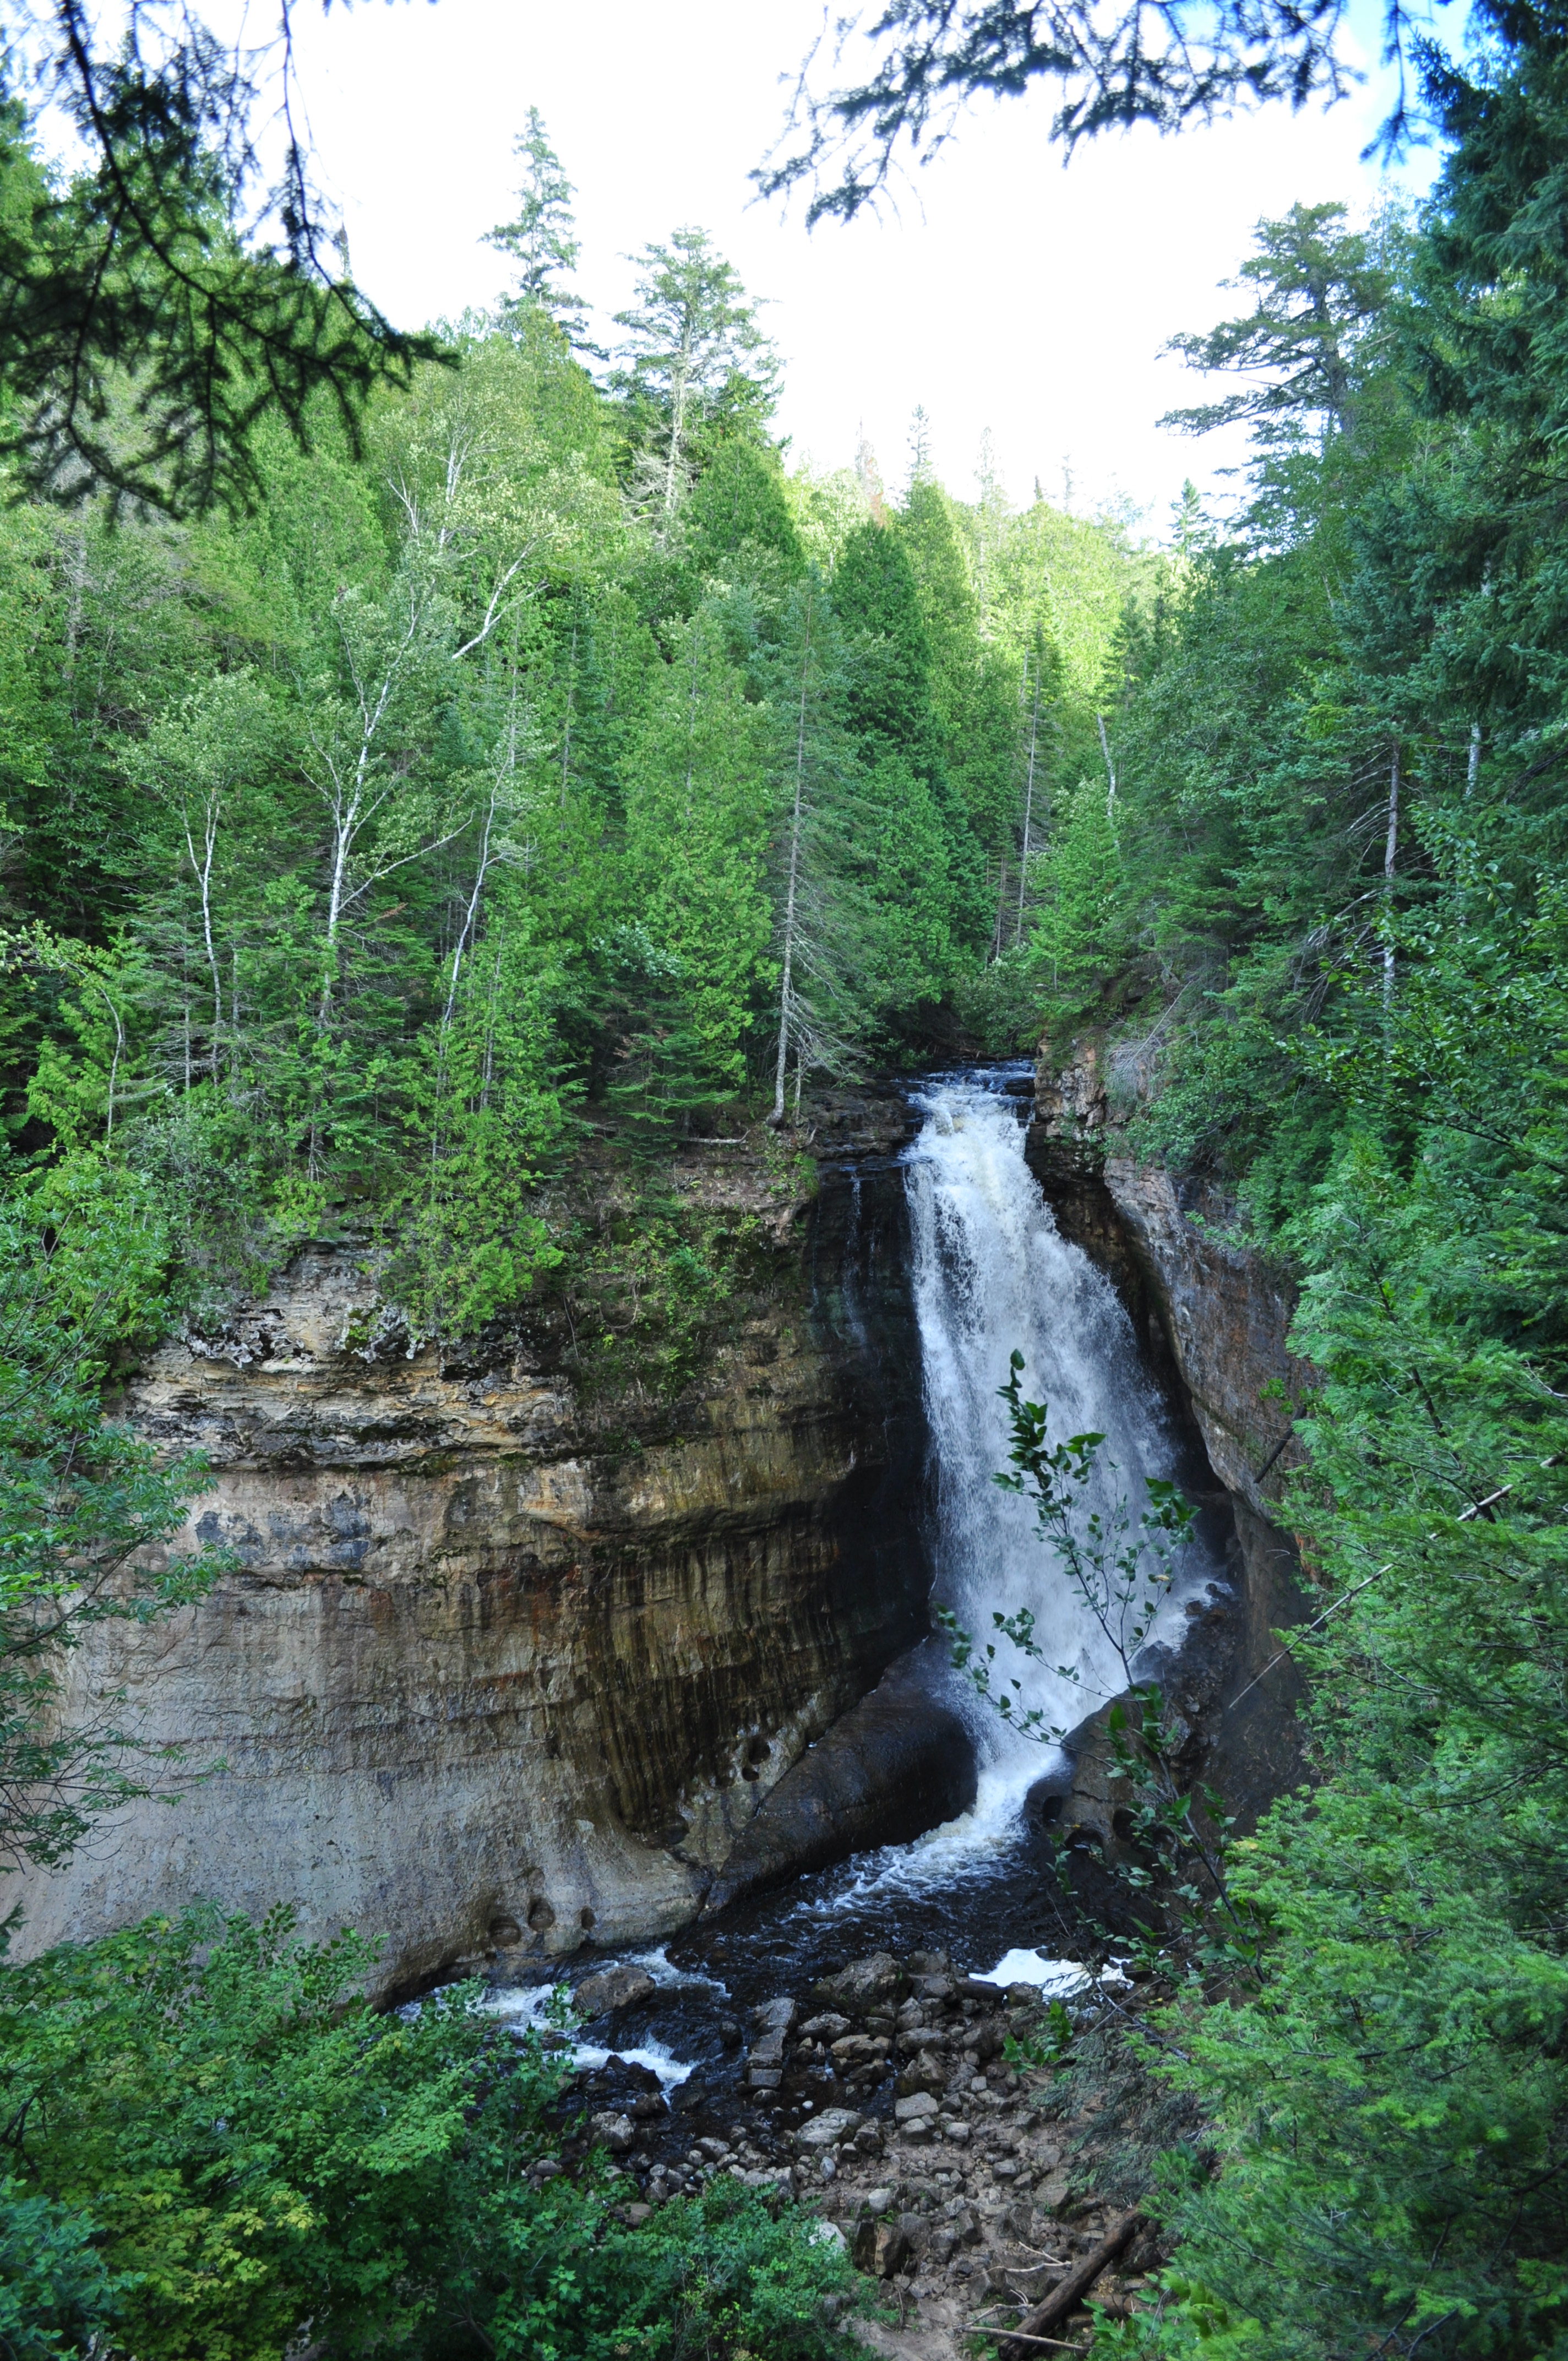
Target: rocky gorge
{"x":523,"y":1673}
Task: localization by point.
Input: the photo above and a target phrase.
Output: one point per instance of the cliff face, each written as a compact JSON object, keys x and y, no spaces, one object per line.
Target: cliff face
{"x":1215,"y":1319}
{"x":1214,"y":1311}
{"x":500,"y":1673}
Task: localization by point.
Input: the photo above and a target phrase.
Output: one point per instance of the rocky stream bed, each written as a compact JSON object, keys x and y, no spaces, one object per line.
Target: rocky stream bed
{"x":882,"y":2096}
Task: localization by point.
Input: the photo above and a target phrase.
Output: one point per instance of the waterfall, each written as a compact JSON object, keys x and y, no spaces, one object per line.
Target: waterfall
{"x":991,"y":1274}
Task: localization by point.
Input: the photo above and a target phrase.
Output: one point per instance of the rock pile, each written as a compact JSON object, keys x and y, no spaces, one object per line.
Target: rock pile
{"x":883,"y":2097}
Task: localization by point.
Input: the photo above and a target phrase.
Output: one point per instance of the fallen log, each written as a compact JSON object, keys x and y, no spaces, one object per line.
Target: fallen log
{"x":1067,"y":2297}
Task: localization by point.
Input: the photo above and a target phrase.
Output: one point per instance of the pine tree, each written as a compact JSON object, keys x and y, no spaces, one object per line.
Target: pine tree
{"x":692,"y":355}
{"x":1320,"y":288}
{"x":542,"y":241}
{"x":990,"y":524}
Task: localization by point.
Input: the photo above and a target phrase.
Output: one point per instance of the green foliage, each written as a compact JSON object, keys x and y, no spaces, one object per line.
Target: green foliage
{"x":250,"y":2150}
{"x":1119,"y":1573}
{"x":542,"y":241}
{"x":647,"y":1294}
{"x":1079,"y":933}
{"x":149,"y":342}
{"x":373,"y":835}
{"x":1175,"y":1852}
{"x":695,"y":364}
{"x":55,"y":2293}
{"x":83,"y":1271}
{"x":1320,"y":289}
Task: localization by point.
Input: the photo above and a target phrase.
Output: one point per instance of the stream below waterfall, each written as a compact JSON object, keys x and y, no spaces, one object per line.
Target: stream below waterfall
{"x":989,"y":1273}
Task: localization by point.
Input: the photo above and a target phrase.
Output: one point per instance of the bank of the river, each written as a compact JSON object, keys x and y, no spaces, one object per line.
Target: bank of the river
{"x":839,"y":2043}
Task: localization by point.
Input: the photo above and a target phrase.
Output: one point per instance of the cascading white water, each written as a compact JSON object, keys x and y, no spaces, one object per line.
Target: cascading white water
{"x":991,"y":1276}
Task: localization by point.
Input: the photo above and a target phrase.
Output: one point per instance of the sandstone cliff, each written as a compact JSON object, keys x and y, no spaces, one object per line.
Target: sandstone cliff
{"x":499,"y":1671}
{"x":1214,"y":1317}
{"x":1215,"y":1310}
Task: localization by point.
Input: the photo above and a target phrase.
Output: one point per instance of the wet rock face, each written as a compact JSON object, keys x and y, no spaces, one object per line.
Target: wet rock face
{"x":891,"y":1767}
{"x":499,"y":1675}
{"x":1215,"y":1318}
{"x":1227,"y":1315}
{"x":1213,"y":1310}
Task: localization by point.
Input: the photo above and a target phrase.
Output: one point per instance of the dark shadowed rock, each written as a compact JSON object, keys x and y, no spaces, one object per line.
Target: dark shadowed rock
{"x":891,"y":1767}
{"x":875,"y":1981}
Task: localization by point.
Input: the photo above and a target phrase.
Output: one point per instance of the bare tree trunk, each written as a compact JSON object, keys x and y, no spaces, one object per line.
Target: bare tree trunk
{"x":1028,"y":809}
{"x":1001,"y":906}
{"x":1472,"y":768}
{"x":471,"y":914}
{"x":1109,"y":769}
{"x":203,"y":874}
{"x":1390,"y":847}
{"x":677,"y":424}
{"x":786,"y":987}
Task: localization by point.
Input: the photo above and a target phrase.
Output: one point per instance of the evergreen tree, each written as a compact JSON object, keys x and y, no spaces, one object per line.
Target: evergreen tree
{"x":542,"y":241}
{"x":1320,"y":288}
{"x":692,"y":356}
{"x":821,"y":934}
{"x":691,"y":959}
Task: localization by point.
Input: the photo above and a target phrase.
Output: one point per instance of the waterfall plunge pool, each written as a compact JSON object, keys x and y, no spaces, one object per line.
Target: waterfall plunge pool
{"x":988,"y":1273}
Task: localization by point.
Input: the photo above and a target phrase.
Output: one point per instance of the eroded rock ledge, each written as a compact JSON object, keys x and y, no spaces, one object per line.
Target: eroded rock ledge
{"x":1215,"y":1318}
{"x":501,"y":1673}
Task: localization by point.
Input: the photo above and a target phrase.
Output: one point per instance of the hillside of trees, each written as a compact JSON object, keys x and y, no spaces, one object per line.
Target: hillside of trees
{"x":566,"y":760}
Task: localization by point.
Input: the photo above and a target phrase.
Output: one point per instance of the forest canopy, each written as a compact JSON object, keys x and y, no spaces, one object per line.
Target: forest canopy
{"x":547,"y":753}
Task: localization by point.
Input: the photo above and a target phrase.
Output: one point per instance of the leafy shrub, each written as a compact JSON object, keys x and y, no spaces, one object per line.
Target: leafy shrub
{"x":219,"y":2150}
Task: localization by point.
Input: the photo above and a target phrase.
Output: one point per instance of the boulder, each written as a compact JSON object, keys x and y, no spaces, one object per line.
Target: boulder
{"x":881,"y":2248}
{"x":613,"y":1988}
{"x":773,"y":2022}
{"x":920,"y":2107}
{"x":895,"y":1765}
{"x":611,"y":2131}
{"x":855,"y":2050}
{"x":834,"y":2124}
{"x":866,"y":1983}
{"x":927,"y":2073}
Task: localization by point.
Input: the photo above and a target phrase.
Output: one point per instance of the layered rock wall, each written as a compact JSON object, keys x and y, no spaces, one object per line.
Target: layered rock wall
{"x":499,"y":1673}
{"x":1214,"y":1317}
{"x":1217,"y":1312}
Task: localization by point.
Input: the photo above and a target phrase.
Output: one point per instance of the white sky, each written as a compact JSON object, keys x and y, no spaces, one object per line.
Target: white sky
{"x":1011,"y":293}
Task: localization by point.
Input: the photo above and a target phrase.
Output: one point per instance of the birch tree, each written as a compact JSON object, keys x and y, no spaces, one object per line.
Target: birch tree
{"x":201,"y":762}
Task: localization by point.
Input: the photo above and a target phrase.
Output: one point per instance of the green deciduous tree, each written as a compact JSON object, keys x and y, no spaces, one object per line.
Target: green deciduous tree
{"x":209,"y":2114}
{"x":86,"y":1509}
